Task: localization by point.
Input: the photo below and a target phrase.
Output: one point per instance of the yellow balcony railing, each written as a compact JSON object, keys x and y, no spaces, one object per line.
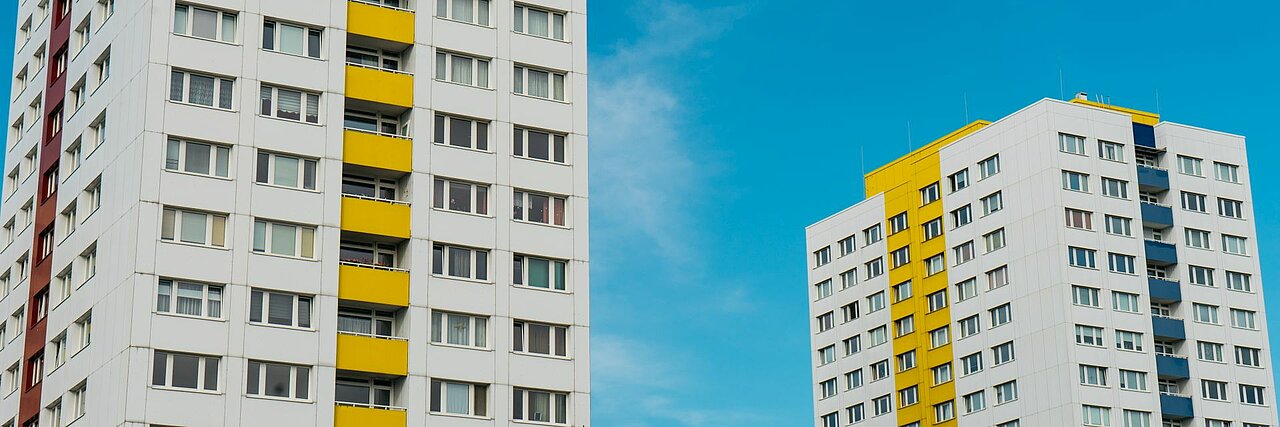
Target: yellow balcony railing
{"x":373,"y":285}
{"x":377,"y":151}
{"x":359,"y":416}
{"x":381,"y":22}
{"x":378,"y":85}
{"x":382,"y":218}
{"x":360,"y":353}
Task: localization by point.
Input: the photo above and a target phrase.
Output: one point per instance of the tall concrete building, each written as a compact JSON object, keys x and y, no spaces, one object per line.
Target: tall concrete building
{"x":1071,"y":264}
{"x":296,"y":212}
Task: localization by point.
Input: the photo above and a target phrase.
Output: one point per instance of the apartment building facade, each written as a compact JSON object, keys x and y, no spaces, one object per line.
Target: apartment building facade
{"x":1071,"y":264}
{"x":288,"y":212}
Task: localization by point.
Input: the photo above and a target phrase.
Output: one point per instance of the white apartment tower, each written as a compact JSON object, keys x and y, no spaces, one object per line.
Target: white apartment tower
{"x":296,"y":213}
{"x":1071,"y":264}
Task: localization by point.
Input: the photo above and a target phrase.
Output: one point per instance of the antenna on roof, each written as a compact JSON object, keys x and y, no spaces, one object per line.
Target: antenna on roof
{"x":909,"y":144}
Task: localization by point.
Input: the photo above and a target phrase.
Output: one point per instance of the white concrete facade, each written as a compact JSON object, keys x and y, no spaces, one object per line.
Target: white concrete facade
{"x":128,"y":164}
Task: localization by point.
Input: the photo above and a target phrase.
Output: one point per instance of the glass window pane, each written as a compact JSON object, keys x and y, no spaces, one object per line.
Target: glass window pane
{"x":291,"y":39}
{"x":286,"y":172}
{"x":186,"y":371}
{"x":198,"y":158}
{"x":193,"y":227}
{"x":204,"y":24}
{"x":539,"y":273}
{"x":277,"y":383}
{"x":280,"y":309}
{"x":200,"y":90}
{"x":459,"y":132}
{"x":180,"y":18}
{"x":539,"y":145}
{"x":283,"y":239}
{"x":459,"y":398}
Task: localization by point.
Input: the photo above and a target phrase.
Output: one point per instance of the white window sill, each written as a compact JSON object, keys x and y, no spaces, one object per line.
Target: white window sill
{"x":489,"y":89}
{"x":464,"y":416}
{"x":446,"y":210}
{"x":445,"y":18}
{"x":207,"y":107}
{"x":566,"y":41}
{"x":182,"y":172}
{"x":187,"y":316}
{"x":186,"y":390}
{"x":544,"y":99}
{"x":285,"y":327}
{"x":565,"y":163}
{"x":548,"y":290}
{"x":298,"y":258}
{"x":297,"y":55}
{"x":462,"y":279}
{"x":461,"y":347}
{"x":297,"y":121}
{"x":299,"y":188}
{"x":279,"y":399}
{"x":188,"y":36}
{"x":194,"y":245}
{"x":461,"y":147}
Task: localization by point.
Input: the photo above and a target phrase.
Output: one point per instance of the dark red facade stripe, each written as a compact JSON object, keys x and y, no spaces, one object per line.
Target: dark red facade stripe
{"x":46,"y":211}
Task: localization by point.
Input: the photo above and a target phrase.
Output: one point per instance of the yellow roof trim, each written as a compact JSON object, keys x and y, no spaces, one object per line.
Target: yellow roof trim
{"x":1141,"y":117}
{"x":935,"y":145}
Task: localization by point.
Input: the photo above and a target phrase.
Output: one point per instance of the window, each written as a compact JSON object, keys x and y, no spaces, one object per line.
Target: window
{"x":908,"y":396}
{"x":1226,"y":172}
{"x":459,"y":398}
{"x":1205,"y":313}
{"x":1081,"y":295}
{"x":900,"y":257}
{"x":462,"y":262}
{"x":871,"y":235}
{"x":102,"y":68}
{"x":853,"y":379}
{"x":1252,"y":395}
{"x":286,"y":171}
{"x":934,"y":265}
{"x":1238,"y":282}
{"x":1209,"y":351}
{"x":1201,"y":276}
{"x":994,"y":240}
{"x":939,"y":337}
{"x":469,"y":11}
{"x":1234,"y":245}
{"x":831,"y":420}
{"x":1244,"y":319}
{"x":462,"y":69}
{"x":932,"y":228}
{"x":961,"y":217}
{"x":1247,"y":356}
{"x":190,"y":371}
{"x":857,"y":413}
{"x":1197,"y":238}
{"x":367,"y":187}
{"x":1096,"y":415}
{"x":878,"y":336}
{"x":278,"y":380}
{"x":850,"y":311}
{"x":1133,"y":380}
{"x":1120,"y":263}
{"x":852,"y":345}
{"x":204,"y":23}
{"x":197,"y":158}
{"x":1213,"y":390}
{"x":550,"y":274}
{"x":1126,"y":340}
{"x":903,"y":326}
{"x":539,"y":22}
{"x":966,"y":289}
{"x":989,"y":166}
{"x":963,"y":253}
{"x":875,"y":302}
{"x":540,"y":406}
{"x":848,"y":278}
{"x":1071,"y":144}
{"x":1111,"y":151}
{"x":1006,"y":392}
{"x":828,"y":388}
{"x":197,"y":228}
{"x":461,"y":196}
{"x":291,"y":38}
{"x":1002,"y":354}
{"x":1230,"y":208}
{"x":1136,"y":418}
{"x":1081,"y":257}
{"x":1001,"y":315}
{"x":361,"y":391}
{"x":539,"y":145}
{"x":1115,"y":188}
{"x":367,"y":322}
{"x":929,"y":194}
{"x":539,"y":83}
{"x":902,"y":291}
{"x":937,"y":300}
{"x":201,"y":89}
{"x":538,"y":338}
{"x":472,"y":331}
{"x":462,"y":132}
{"x":826,"y":321}
{"x":881,"y":405}
{"x":970,"y":364}
{"x":1089,"y":335}
{"x":79,"y":400}
{"x":284,"y":239}
{"x":941,"y":373}
{"x":970,"y":326}
{"x":1093,"y":375}
{"x":1189,"y":165}
{"x":898,"y":223}
{"x":98,"y":134}
{"x":992,"y":203}
{"x":1193,"y":202}
{"x":548,"y":209}
{"x":1075,"y":181}
{"x":281,"y":309}
{"x":880,"y":370}
{"x":959,"y":180}
{"x":974,"y":402}
{"x":828,"y":354}
{"x":189,"y":298}
{"x":1079,"y":219}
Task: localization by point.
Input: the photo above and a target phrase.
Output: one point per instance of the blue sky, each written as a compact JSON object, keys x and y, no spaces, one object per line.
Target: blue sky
{"x":721,"y":128}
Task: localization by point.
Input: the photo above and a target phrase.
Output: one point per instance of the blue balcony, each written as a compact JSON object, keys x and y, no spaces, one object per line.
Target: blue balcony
{"x":1168,"y":328}
{"x":1161,"y":253}
{"x":1152,"y":179}
{"x":1164,"y":291}
{"x":1172,"y":367}
{"x":1144,"y":135}
{"x":1156,"y":216}
{"x":1177,"y":407}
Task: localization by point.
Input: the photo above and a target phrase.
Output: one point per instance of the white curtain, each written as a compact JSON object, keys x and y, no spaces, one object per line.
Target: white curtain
{"x":539,"y":23}
{"x":539,"y":84}
{"x":461,"y":70}
{"x":201,"y":90}
{"x":190,"y":299}
{"x":458,"y":398}
{"x":459,"y":327}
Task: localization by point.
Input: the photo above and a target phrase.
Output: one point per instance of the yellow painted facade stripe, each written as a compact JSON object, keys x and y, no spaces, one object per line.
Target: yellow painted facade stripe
{"x":1140,"y":117}
{"x":352,"y":416}
{"x":901,"y":181}
{"x":380,"y":22}
{"x":373,"y":285}
{"x":379,"y":86}
{"x":375,"y":355}
{"x":377,"y":151}
{"x":375,"y":217}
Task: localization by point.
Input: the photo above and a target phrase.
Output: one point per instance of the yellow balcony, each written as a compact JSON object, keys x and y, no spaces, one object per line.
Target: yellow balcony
{"x":381,"y":86}
{"x":375,"y":217}
{"x":371,"y":354}
{"x":380,"y":22}
{"x":356,"y":416}
{"x":373,"y":285}
{"x":377,"y":151}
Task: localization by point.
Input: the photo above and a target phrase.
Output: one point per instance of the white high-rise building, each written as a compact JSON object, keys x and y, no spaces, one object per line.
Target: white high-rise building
{"x":1071,"y":264}
{"x":296,"y":212}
